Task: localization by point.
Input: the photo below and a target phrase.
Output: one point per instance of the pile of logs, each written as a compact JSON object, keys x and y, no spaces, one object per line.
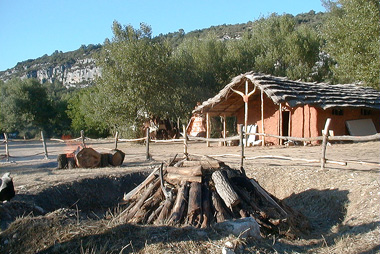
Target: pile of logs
{"x":89,"y":158}
{"x":201,"y":191}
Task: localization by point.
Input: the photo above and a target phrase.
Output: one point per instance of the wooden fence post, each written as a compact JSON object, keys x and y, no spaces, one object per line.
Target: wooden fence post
{"x":241,"y":146}
{"x":83,"y":138}
{"x":325,"y":134}
{"x":6,"y":146}
{"x":116,"y":139}
{"x":185,"y":140}
{"x":44,"y":145}
{"x":147,"y":143}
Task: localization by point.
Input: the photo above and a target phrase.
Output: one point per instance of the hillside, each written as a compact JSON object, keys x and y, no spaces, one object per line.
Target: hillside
{"x":78,"y":69}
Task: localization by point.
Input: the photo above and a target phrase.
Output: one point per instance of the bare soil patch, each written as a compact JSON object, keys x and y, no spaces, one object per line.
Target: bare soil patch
{"x":70,"y":211}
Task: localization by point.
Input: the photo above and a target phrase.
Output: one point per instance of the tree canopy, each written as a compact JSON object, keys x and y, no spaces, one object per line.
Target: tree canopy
{"x":352,"y":32}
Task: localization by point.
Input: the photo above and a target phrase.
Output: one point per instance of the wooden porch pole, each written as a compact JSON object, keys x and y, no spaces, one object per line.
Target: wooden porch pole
{"x":241,"y":145}
{"x":207,"y":129}
{"x":245,"y":96}
{"x":224,"y":129}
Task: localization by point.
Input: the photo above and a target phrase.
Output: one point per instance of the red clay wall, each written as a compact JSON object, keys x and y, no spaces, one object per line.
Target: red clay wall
{"x":338,"y":122}
{"x":305,"y":121}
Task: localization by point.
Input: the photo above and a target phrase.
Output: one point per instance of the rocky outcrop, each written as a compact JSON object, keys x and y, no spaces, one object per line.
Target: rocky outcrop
{"x":80,"y":73}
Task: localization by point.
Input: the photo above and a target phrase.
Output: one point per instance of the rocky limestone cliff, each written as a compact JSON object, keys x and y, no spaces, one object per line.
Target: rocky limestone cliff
{"x":81,"y":73}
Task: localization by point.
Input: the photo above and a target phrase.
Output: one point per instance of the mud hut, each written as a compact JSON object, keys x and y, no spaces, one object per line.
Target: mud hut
{"x":278,"y":106}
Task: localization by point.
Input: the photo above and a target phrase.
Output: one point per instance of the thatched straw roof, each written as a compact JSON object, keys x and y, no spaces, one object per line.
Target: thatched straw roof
{"x":281,"y":90}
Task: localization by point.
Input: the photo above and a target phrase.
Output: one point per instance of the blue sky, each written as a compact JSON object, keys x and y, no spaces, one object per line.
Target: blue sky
{"x":32,"y":28}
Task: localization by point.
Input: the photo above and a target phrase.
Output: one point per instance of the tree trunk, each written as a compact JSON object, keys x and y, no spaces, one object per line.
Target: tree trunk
{"x":87,"y":158}
{"x":116,"y":158}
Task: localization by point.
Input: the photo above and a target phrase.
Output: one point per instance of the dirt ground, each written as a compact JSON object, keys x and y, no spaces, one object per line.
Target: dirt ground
{"x":341,"y":202}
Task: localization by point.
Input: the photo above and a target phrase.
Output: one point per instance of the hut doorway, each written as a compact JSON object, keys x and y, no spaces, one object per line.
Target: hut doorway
{"x":285,"y":123}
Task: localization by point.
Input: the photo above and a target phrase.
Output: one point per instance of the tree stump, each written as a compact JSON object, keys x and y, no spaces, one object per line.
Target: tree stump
{"x":62,"y":161}
{"x":116,"y":157}
{"x":87,"y":158}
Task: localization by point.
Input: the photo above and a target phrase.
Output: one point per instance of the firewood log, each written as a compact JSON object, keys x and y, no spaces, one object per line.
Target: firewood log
{"x":206,"y":207}
{"x":104,"y":159}
{"x":153,"y":216}
{"x":164,"y":214}
{"x":268,"y":198}
{"x":62,"y":161}
{"x":194,"y":210}
{"x":116,"y":157}
{"x":180,"y":204}
{"x":141,"y":201}
{"x":204,"y":163}
{"x":71,"y":163}
{"x":87,"y":158}
{"x":186,"y":171}
{"x":176,"y":178}
{"x":148,"y":180}
{"x":220,"y":211}
{"x":224,"y":189}
{"x":143,"y":213}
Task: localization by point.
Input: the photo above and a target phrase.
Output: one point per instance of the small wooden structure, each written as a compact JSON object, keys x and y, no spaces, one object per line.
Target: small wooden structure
{"x":283,"y":107}
{"x":201,"y":191}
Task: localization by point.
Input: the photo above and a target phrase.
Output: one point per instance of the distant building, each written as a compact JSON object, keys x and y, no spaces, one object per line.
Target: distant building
{"x":283,"y":107}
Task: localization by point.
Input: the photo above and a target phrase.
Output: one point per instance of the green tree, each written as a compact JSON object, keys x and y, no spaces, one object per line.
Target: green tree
{"x":82,"y":109}
{"x":25,"y":107}
{"x":281,"y":47}
{"x":352,"y":31}
{"x":134,"y":78}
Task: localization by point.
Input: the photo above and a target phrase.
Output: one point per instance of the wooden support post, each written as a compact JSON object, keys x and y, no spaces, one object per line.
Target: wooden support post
{"x":245,"y":99}
{"x":83,"y":138}
{"x":262,"y":117}
{"x":241,"y":146}
{"x":6,"y":146}
{"x":44,"y":145}
{"x":325,"y":134}
{"x":224,"y":129}
{"x":116,"y":139}
{"x":147,"y":143}
{"x":207,"y":129}
{"x":185,"y":140}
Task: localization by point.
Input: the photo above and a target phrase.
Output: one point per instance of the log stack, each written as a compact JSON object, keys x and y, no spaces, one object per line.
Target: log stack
{"x":201,"y":191}
{"x":89,"y":158}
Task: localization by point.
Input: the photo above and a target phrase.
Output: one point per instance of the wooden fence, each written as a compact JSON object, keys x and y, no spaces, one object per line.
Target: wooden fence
{"x":325,"y":138}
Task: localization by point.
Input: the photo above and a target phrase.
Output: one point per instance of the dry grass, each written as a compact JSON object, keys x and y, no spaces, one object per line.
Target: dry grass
{"x":341,"y":203}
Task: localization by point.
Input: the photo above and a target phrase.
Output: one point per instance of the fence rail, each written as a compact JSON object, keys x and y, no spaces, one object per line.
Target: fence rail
{"x":324,"y":138}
